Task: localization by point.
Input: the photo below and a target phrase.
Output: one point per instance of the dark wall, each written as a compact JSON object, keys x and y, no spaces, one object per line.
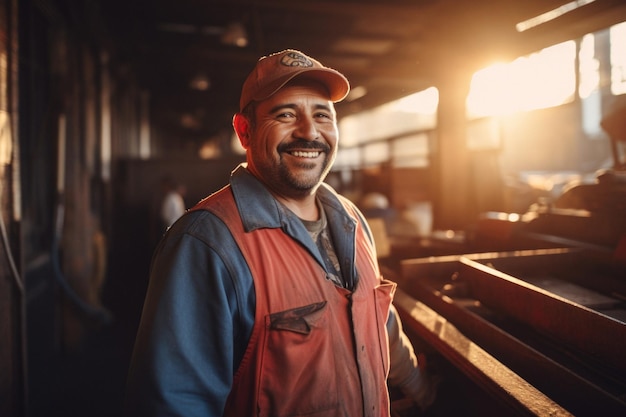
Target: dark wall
{"x":138,"y":198}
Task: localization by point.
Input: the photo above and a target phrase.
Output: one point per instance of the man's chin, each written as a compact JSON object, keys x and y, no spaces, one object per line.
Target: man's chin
{"x":305,"y":179}
{"x":307,"y":186}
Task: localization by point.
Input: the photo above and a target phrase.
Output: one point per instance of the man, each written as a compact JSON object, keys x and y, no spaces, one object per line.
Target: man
{"x":265,"y":298}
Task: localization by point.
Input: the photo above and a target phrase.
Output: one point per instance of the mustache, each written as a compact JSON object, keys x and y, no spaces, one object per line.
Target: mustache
{"x":304,"y":144}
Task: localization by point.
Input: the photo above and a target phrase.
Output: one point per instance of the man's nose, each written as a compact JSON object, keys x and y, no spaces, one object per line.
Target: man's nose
{"x":307,"y":128}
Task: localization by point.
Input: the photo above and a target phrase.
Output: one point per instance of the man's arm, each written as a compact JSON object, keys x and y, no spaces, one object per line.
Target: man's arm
{"x":405,"y":372}
{"x":191,"y":335}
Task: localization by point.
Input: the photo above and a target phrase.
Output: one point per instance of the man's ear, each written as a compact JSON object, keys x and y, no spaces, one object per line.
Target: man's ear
{"x":242,"y":128}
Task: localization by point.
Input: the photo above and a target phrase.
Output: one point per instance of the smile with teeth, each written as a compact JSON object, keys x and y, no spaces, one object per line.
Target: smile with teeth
{"x":305,"y":154}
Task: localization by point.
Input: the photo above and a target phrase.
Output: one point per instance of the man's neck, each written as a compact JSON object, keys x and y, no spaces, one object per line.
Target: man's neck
{"x":305,"y":208}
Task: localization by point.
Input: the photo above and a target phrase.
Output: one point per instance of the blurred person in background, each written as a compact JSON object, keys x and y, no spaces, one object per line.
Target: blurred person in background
{"x":173,"y":203}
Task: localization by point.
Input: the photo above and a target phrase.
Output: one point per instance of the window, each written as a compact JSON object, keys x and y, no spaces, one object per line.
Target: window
{"x":410,"y":151}
{"x":588,"y":88}
{"x":618,"y":58}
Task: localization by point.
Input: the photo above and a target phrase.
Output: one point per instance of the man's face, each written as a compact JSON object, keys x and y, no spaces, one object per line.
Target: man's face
{"x":294,"y":143}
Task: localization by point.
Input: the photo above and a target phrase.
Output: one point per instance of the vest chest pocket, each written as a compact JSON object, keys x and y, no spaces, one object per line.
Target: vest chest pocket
{"x":299,"y":320}
{"x":298,"y":373}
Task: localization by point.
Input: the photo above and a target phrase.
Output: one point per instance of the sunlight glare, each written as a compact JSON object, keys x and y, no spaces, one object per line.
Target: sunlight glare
{"x":543,"y":79}
{"x":551,"y":15}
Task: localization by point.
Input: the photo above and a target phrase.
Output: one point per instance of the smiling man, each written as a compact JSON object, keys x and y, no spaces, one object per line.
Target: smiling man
{"x":265,"y":299}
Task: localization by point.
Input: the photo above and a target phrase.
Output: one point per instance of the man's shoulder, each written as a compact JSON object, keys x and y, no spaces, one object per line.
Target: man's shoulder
{"x":216,"y":202}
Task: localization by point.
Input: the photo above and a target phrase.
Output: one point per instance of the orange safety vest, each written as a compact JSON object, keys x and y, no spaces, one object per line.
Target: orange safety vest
{"x":316,"y":350}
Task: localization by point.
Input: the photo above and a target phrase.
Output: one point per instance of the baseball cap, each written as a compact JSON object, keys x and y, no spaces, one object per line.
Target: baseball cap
{"x":273,"y":71}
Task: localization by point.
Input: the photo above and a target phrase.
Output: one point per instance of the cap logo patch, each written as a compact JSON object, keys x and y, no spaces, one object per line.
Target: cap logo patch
{"x":294,"y":59}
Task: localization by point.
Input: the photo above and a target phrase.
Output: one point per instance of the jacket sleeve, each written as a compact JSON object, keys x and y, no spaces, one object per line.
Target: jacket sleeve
{"x":194,"y":327}
{"x":405,"y":372}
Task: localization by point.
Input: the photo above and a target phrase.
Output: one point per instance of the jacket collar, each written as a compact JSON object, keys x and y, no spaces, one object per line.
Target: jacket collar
{"x":259,"y":209}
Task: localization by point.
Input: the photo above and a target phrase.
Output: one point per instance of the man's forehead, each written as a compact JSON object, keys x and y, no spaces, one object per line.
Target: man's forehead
{"x":312,"y":93}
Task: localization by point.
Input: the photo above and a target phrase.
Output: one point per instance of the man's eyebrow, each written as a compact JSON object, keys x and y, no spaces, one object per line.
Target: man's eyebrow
{"x":282,"y":106}
{"x":294,"y":107}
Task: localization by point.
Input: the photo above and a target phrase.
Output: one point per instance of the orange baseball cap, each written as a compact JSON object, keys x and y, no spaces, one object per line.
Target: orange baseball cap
{"x":273,"y":71}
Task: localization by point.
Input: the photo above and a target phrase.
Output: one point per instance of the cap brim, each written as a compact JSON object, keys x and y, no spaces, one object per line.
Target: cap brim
{"x":336,"y":84}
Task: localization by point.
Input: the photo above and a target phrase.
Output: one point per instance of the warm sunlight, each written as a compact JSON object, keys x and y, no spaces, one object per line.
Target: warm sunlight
{"x":543,"y":79}
{"x":551,"y":15}
{"x":618,"y":59}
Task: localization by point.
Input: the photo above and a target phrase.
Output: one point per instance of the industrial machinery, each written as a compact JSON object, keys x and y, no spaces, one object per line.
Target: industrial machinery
{"x":540,"y":325}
